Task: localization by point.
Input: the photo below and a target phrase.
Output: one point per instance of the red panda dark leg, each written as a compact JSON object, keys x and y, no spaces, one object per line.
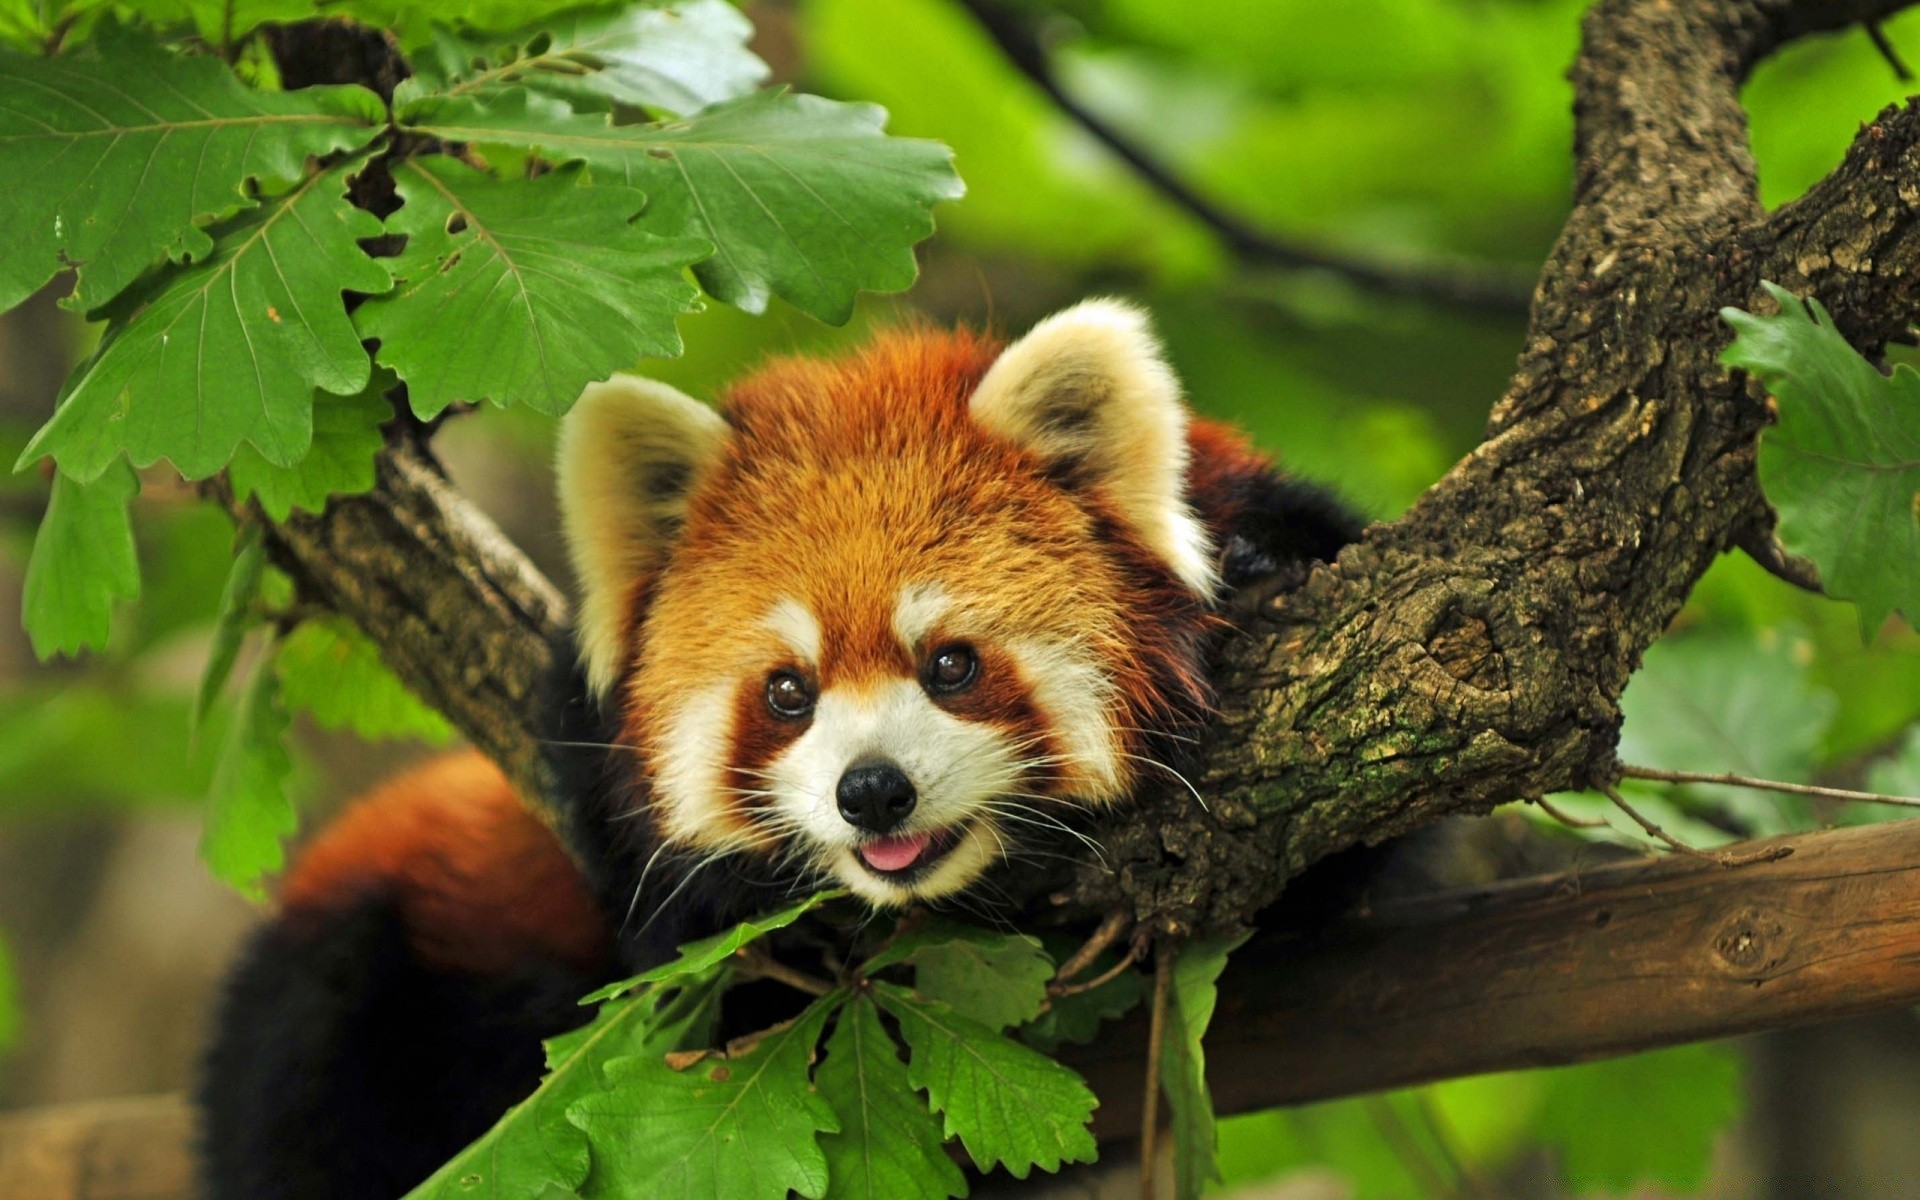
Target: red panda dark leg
{"x":394,"y":1010}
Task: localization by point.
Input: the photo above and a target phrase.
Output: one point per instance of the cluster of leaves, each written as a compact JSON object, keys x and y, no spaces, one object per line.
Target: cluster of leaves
{"x":552,"y":189}
{"x":635,"y":1105}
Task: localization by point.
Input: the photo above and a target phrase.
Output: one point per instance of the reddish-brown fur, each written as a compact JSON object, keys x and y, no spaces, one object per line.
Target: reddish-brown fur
{"x":846,"y":479}
{"x":480,"y":884}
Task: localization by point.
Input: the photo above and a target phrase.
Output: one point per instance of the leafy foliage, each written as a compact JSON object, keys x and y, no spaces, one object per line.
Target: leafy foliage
{"x":249,"y":813}
{"x":801,"y":197}
{"x":522,"y":292}
{"x":697,"y":958}
{"x":1842,"y":467}
{"x":1183,"y":1070}
{"x":338,"y":461}
{"x":888,"y":1146}
{"x":230,"y":627}
{"x":744,"y":1124}
{"x":333,"y":671}
{"x":535,"y":1150}
{"x":1007,"y":1103}
{"x":228,"y":348}
{"x":119,"y":158}
{"x":998,"y":979}
{"x":676,"y":58}
{"x":83,"y":561}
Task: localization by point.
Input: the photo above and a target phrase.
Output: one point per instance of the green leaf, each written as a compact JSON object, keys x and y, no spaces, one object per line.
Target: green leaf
{"x":1646,"y":1119}
{"x":997,"y":979}
{"x":550,"y":275}
{"x":230,"y":627}
{"x":802,"y":197}
{"x":676,"y":57}
{"x":229,"y":348}
{"x":1183,"y":1073}
{"x":332,"y":670}
{"x":534,"y":1151}
{"x":112,"y":162}
{"x":890,"y":1147}
{"x":1842,"y":467}
{"x":702,"y":956}
{"x":744,"y":1126}
{"x":249,"y":814}
{"x":1726,"y":701}
{"x":83,"y":561}
{"x":1007,"y":1103}
{"x":338,"y":462}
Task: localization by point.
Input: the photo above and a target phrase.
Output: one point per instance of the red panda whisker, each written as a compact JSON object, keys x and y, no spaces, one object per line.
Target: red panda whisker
{"x":1027,"y":815}
{"x":590,"y":745}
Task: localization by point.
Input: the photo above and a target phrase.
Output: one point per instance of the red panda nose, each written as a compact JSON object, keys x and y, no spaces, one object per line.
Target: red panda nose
{"x":875,"y":797}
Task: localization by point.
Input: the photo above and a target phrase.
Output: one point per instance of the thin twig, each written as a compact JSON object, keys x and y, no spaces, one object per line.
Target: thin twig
{"x":1725,"y":858}
{"x":1464,"y":285}
{"x":1163,"y":956}
{"x":1659,"y":775}
{"x":1879,"y":38}
{"x":1566,"y":818}
{"x":1763,"y":546}
{"x":1107,"y":934}
{"x":1059,"y":990}
{"x":765,"y":967}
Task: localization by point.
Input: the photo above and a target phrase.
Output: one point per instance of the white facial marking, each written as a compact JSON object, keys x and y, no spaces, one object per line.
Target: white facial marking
{"x":917,"y":611}
{"x":793,"y":624}
{"x":1078,"y":700}
{"x":689,"y":766}
{"x":956,"y":766}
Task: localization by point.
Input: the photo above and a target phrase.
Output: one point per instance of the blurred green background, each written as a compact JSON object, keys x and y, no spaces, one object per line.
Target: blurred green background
{"x":1402,"y":131}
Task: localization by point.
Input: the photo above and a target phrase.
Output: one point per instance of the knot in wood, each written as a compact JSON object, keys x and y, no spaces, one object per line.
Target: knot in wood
{"x":1751,"y":944}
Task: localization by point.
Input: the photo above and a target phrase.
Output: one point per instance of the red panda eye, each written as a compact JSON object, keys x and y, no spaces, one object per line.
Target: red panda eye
{"x":953,"y":668}
{"x":788,"y":695}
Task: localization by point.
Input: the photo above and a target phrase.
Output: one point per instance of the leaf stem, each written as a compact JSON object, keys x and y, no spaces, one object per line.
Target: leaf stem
{"x":1628,"y":771}
{"x":763,"y":966}
{"x":1163,"y":956}
{"x":1106,"y":935}
{"x":1056,"y":990}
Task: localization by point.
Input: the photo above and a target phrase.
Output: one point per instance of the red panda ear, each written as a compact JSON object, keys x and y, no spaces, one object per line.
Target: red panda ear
{"x":631,"y":451}
{"x":1088,"y":389}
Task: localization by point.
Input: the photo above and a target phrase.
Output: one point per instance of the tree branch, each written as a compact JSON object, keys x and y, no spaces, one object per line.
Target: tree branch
{"x":1528,"y":973}
{"x":1472,"y":286}
{"x":1474,"y":651}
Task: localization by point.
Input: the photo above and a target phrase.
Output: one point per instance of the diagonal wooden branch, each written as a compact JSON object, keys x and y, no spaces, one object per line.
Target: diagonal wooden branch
{"x":1473,"y":651}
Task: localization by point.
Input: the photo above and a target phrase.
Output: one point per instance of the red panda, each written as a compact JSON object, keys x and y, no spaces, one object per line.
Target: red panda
{"x":874,"y":623}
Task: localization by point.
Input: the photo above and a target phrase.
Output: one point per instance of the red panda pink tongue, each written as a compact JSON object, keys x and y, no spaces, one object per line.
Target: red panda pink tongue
{"x":895,"y":853}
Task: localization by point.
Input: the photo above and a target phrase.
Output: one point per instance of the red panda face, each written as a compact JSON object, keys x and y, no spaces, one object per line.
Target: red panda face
{"x":896,"y":609}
